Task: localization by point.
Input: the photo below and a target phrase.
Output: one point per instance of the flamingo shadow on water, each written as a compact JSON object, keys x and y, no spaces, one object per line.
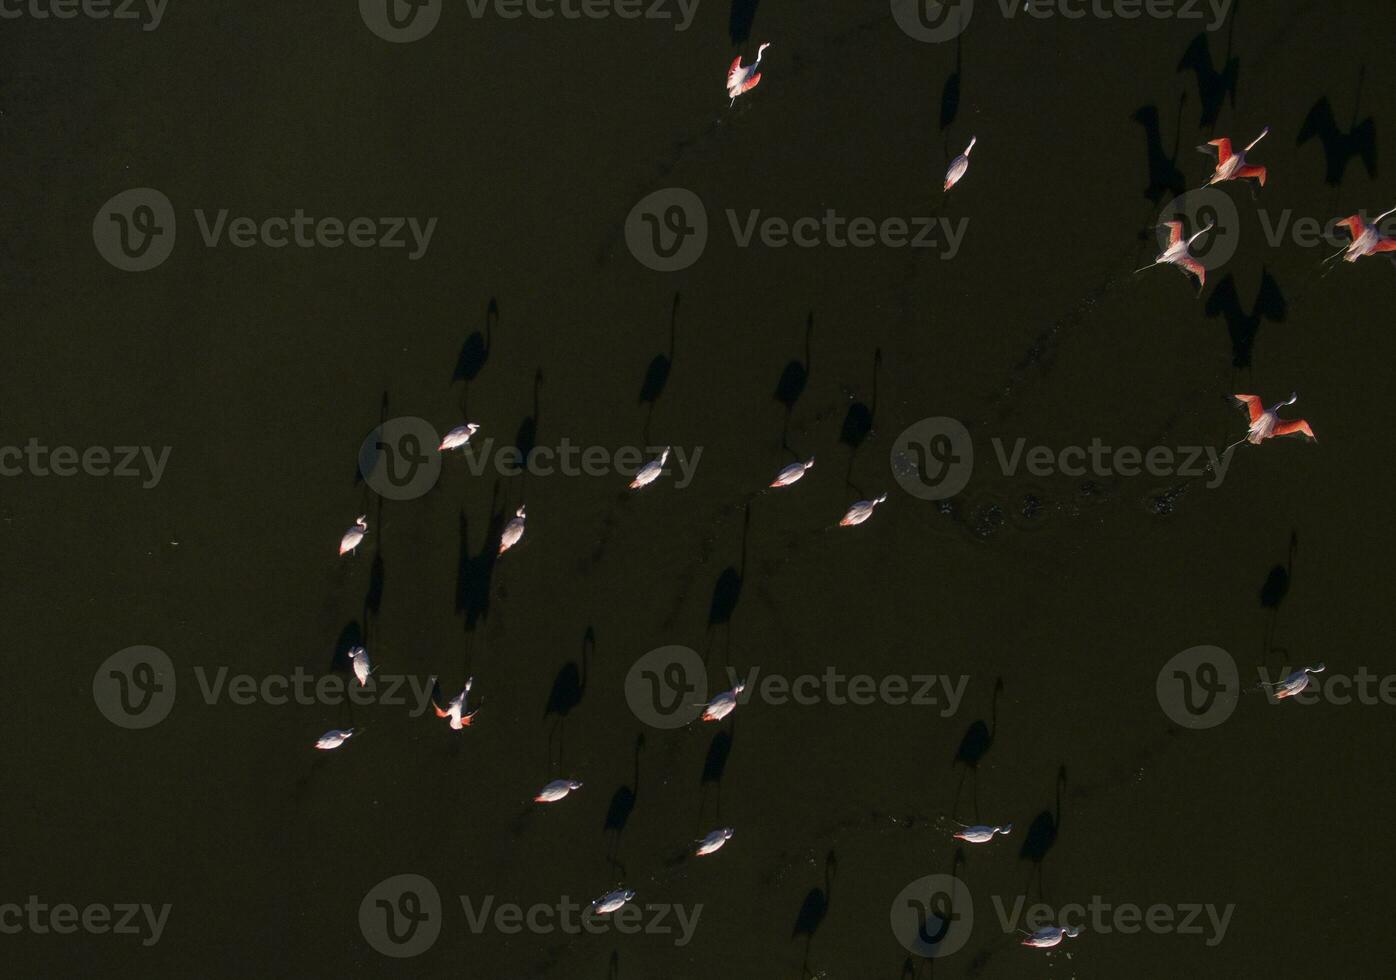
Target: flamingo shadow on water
{"x":935,"y":915}
{"x":1341,"y":146}
{"x":950,"y":94}
{"x":568,"y":687}
{"x":814,"y":910}
{"x":618,"y":813}
{"x":1244,"y":327}
{"x":1166,"y":181}
{"x":740,"y":18}
{"x":858,"y":420}
{"x":727,"y":591}
{"x":1273,"y":592}
{"x":349,"y":637}
{"x":526,"y":438}
{"x":794,"y":377}
{"x":474,"y":353}
{"x":657,"y":374}
{"x":475,"y":571}
{"x":1042,"y":834}
{"x":974,"y":745}
{"x":1213,"y":86}
{"x":613,"y":969}
{"x":714,"y":765}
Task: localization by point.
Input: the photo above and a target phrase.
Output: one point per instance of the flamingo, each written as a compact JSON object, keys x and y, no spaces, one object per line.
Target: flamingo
{"x":334,"y":738}
{"x":723,"y":705}
{"x":861,"y":511}
{"x":458,"y":437}
{"x":1233,"y":166}
{"x":714,"y":841}
{"x":792,"y":473}
{"x":355,"y":535}
{"x":1177,"y":253}
{"x":513,"y":531}
{"x":743,"y":78}
{"x":650,"y":471}
{"x":981,"y":833}
{"x":959,"y":165}
{"x":1050,"y":936}
{"x":455,"y":710}
{"x":1366,"y":239}
{"x":612,"y":900}
{"x":556,"y":790}
{"x":1294,"y":684}
{"x":1265,"y":423}
{"x":358,"y":656}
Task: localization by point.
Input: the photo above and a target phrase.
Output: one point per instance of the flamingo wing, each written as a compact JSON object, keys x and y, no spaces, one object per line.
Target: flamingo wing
{"x":1385,"y":245}
{"x":1196,"y":268}
{"x":1252,"y":405}
{"x":1175,"y":232}
{"x":1297,"y":427}
{"x":1223,"y":150}
{"x":1355,"y":226}
{"x":1251,"y":173}
{"x":748,"y":85}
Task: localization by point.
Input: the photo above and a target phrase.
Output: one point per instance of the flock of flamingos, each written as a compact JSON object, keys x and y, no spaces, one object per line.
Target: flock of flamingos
{"x":1263,"y":423}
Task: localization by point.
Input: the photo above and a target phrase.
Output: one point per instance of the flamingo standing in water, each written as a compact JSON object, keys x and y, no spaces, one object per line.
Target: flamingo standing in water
{"x":1294,"y":684}
{"x":1233,"y":166}
{"x":1050,"y":936}
{"x":355,"y":535}
{"x":458,"y":437}
{"x":743,"y":78}
{"x":1177,"y":253}
{"x":513,"y":531}
{"x":1265,"y":423}
{"x":792,"y":473}
{"x":861,"y":511}
{"x":959,"y":165}
{"x":1366,"y":239}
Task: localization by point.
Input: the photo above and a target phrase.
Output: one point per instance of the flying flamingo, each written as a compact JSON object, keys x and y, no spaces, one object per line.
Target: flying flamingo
{"x":743,"y":78}
{"x":1366,"y":239}
{"x":1266,"y":422}
{"x":1177,"y":253}
{"x":1233,"y":166}
{"x":959,"y":165}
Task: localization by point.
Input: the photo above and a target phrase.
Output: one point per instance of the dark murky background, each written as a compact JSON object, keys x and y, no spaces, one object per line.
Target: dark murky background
{"x":531,"y":141}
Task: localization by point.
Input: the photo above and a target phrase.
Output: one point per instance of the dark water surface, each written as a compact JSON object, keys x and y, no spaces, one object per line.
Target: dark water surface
{"x":530,"y":141}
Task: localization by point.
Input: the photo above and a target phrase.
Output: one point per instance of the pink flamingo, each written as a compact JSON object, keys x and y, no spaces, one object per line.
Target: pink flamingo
{"x":1265,"y":423}
{"x":1366,"y":239}
{"x":1177,"y":253}
{"x":1233,"y":166}
{"x":743,"y":78}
